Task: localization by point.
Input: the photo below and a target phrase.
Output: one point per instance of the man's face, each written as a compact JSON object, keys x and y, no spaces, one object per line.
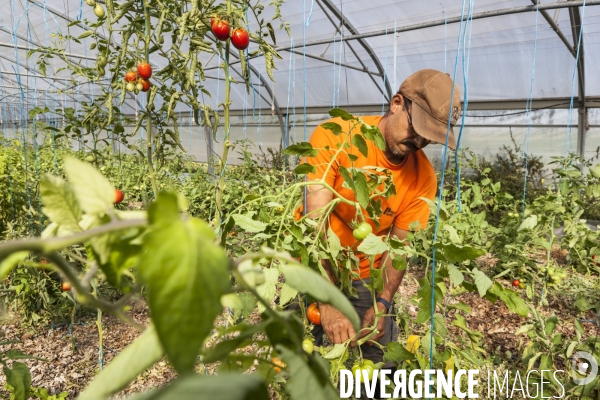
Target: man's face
{"x":401,"y":137}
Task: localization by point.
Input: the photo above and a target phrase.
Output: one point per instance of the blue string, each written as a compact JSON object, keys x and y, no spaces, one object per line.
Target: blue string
{"x":384,"y":72}
{"x":440,"y":198}
{"x":334,"y":54}
{"x":287,"y":107}
{"x":312,"y":4}
{"x":259,"y":128}
{"x":528,"y":109}
{"x":466,"y":48}
{"x":445,"y":36}
{"x":569,"y":125}
{"x":340,"y":67}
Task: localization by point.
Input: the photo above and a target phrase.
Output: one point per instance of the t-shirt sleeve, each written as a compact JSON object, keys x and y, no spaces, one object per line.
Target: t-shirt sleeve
{"x":324,"y":141}
{"x":418,"y":209}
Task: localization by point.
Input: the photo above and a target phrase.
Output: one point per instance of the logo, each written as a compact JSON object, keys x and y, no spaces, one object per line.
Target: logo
{"x":388,"y":211}
{"x":584,"y":367}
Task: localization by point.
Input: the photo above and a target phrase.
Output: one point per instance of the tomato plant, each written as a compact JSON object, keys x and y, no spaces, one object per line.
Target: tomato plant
{"x":130,"y":76}
{"x":364,"y":367}
{"x":119,"y":195}
{"x":308,"y":346}
{"x":65,"y":286}
{"x":516,"y":282}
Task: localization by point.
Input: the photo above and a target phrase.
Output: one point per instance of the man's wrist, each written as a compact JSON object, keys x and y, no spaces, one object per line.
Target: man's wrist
{"x":383,"y":301}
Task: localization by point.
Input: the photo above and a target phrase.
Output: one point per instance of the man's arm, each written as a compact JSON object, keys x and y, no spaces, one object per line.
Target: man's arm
{"x":337,"y":327}
{"x":391,"y":281}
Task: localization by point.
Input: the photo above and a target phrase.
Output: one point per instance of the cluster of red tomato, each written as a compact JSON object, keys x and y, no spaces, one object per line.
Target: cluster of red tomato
{"x":221,"y":29}
{"x":138,"y":78}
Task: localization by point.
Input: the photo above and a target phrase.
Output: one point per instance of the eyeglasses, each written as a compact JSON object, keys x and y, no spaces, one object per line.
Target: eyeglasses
{"x":410,"y":124}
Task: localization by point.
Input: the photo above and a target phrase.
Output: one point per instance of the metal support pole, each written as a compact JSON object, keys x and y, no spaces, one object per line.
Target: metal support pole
{"x":555,"y":28}
{"x":582,"y":111}
{"x":209,"y":147}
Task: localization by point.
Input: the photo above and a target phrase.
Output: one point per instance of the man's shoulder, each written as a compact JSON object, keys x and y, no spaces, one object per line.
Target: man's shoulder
{"x":424,"y":168}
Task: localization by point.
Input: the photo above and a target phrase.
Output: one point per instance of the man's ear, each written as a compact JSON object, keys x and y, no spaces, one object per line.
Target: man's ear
{"x":397,"y":103}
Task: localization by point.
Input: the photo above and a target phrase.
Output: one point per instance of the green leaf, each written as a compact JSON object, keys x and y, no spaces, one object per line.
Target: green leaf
{"x":583,"y":304}
{"x":482,"y":282}
{"x":456,"y":276}
{"x":454,"y":253}
{"x":460,"y":306}
{"x":94,"y":192}
{"x":400,"y":263}
{"x":302,"y":149}
{"x":360,"y":144}
{"x":336,"y":352}
{"x":125,"y":367}
{"x":308,"y":281}
{"x":60,"y":203}
{"x":333,"y":127}
{"x":225,"y":386}
{"x":338,"y":112}
{"x":186,"y":274}
{"x":20,"y":379}
{"x":335,"y":245}
{"x":308,"y":379}
{"x":248,"y":224}
{"x":528,"y":223}
{"x":454,"y":237}
{"x":268,"y":289}
{"x":304,"y":169}
{"x":287,"y":294}
{"x":362,"y":189}
{"x":396,"y":352}
{"x":513,"y":301}
{"x":85,"y":34}
{"x":372,"y":245}
{"x":7,"y":264}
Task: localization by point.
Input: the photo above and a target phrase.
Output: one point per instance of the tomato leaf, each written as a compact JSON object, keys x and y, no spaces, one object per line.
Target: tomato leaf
{"x":302,"y":149}
{"x":372,"y":245}
{"x":338,"y":112}
{"x":94,"y":192}
{"x":307,"y":281}
{"x":513,"y":301}
{"x":287,"y":294}
{"x":248,"y":224}
{"x":362,"y":189}
{"x":19,"y":378}
{"x":396,"y":352}
{"x":304,"y":169}
{"x":360,"y":144}
{"x":125,"y":367}
{"x":7,"y":264}
{"x":309,"y":378}
{"x":333,"y":127}
{"x":482,"y":282}
{"x":456,"y":276}
{"x":225,"y":386}
{"x":454,"y":253}
{"x":60,"y":203}
{"x":186,"y":274}
{"x":528,"y":223}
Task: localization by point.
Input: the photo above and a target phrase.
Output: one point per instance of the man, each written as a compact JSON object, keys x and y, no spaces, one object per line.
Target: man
{"x":417,"y":116}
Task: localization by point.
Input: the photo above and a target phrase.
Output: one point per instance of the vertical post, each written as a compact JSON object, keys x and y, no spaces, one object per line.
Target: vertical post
{"x":581,"y":120}
{"x":209,"y":147}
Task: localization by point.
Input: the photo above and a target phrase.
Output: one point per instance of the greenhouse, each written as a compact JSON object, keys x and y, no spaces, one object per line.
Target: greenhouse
{"x":180,"y":182}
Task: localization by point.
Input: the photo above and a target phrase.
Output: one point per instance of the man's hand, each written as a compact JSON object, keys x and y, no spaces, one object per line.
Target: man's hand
{"x":369,"y":320}
{"x":337,"y":327}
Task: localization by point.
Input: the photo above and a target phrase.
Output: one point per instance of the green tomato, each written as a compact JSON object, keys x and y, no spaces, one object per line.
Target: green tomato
{"x":366,"y":365}
{"x":90,"y":158}
{"x":308,"y":346}
{"x":362,"y":231}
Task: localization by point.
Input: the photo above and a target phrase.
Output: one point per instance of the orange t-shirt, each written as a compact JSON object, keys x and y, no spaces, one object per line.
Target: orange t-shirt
{"x":413,"y":178}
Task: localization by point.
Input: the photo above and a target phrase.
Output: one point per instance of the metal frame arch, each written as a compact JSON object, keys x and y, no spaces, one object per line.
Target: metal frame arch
{"x":338,"y":14}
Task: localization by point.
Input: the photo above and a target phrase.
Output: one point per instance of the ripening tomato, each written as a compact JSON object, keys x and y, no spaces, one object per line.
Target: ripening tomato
{"x":366,"y":365}
{"x":313,"y":314}
{"x":145,"y":85}
{"x":130,"y":87}
{"x":119,"y":196}
{"x":240,"y":39}
{"x":221,"y":29}
{"x":130,"y":76}
{"x":308,"y":346}
{"x":516,"y":282}
{"x":65,"y":286}
{"x":144,"y":70}
{"x":99,"y":11}
{"x":362,"y":231}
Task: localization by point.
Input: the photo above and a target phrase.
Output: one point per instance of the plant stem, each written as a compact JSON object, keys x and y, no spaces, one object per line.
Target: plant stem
{"x":221,"y":185}
{"x":148,"y":105}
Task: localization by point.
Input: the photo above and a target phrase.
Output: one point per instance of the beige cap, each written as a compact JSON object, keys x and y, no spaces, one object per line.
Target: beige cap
{"x":431,"y":92}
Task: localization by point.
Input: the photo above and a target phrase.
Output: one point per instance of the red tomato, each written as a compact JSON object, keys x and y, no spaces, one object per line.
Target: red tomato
{"x":65,"y":286}
{"x":240,"y":39}
{"x":130,"y":76}
{"x":144,"y":70}
{"x":145,"y":84}
{"x":516,"y":283}
{"x":221,"y":29}
{"x":313,"y":314}
{"x":119,"y":195}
